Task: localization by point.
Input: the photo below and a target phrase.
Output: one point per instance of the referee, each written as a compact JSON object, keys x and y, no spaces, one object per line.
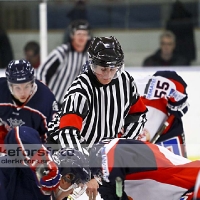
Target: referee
{"x":102,"y":102}
{"x":64,"y":63}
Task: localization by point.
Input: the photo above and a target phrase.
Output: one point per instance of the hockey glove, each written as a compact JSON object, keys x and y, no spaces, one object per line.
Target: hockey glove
{"x":178,"y":109}
{"x":48,"y":176}
{"x":46,"y":171}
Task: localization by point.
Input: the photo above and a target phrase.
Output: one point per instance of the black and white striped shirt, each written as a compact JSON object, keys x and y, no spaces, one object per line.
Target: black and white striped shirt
{"x":92,"y":111}
{"x":61,"y":68}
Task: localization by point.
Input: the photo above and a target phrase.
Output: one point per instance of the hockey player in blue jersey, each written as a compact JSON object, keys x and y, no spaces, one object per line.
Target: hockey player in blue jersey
{"x":30,"y":172}
{"x":24,"y":101}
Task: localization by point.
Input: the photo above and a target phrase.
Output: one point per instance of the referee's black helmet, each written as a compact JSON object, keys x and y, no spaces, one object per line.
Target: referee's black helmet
{"x":106,"y":52}
{"x":79,"y":25}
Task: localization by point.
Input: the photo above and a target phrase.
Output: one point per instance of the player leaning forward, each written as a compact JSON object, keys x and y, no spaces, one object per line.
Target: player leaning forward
{"x":147,"y":171}
{"x":30,"y":171}
{"x":24,"y":101}
{"x":101,"y":101}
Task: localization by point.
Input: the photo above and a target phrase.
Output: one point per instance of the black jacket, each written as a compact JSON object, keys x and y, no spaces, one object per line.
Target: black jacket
{"x":182,"y":23}
{"x":156,"y":60}
{"x":6,"y":53}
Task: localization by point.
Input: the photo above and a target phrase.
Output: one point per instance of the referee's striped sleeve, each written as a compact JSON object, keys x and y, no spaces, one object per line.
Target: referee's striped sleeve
{"x":131,"y":130}
{"x":74,"y":111}
{"x":136,"y":118}
{"x":53,"y":126}
{"x":51,"y":64}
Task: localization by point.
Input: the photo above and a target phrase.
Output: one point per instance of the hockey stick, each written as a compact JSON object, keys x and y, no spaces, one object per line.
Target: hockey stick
{"x":162,"y":128}
{"x":119,"y":192}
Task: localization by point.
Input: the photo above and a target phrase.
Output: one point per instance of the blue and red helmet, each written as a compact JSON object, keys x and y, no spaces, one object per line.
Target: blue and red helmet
{"x":19,"y":71}
{"x":74,"y":168}
{"x":73,"y":162}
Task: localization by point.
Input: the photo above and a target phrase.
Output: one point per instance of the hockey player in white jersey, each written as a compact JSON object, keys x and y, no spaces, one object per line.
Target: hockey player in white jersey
{"x":147,"y":171}
{"x":166,"y":98}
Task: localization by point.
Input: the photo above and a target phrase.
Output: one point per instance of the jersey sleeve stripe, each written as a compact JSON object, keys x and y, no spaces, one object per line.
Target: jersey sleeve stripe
{"x":138,"y":107}
{"x":71,"y":120}
{"x":179,"y":86}
{"x":160,"y":104}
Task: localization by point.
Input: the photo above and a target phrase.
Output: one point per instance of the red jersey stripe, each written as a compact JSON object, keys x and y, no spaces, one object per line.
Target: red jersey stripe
{"x":71,"y":120}
{"x":183,"y":175}
{"x":161,"y":160}
{"x":179,"y":86}
{"x":138,"y":107}
{"x":111,"y":157}
{"x":160,"y":104}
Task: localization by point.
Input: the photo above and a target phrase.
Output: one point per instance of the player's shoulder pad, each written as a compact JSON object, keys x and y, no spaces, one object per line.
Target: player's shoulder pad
{"x":127,"y":75}
{"x":171,"y":75}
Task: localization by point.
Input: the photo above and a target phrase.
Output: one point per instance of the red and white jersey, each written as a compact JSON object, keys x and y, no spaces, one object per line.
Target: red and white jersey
{"x":164,"y":94}
{"x":149,"y":171}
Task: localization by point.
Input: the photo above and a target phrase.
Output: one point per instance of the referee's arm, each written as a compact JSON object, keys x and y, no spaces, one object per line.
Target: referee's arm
{"x":47,"y":69}
{"x":74,"y":111}
{"x":135,"y":120}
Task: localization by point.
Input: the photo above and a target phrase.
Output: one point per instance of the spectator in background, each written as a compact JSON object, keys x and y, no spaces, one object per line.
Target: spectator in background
{"x":6,"y":53}
{"x":166,"y":56}
{"x":32,"y":53}
{"x":182,"y":25}
{"x":78,"y":12}
{"x":65,"y":62}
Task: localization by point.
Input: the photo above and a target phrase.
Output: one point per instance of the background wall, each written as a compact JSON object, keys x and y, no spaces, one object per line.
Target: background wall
{"x":137,"y":44}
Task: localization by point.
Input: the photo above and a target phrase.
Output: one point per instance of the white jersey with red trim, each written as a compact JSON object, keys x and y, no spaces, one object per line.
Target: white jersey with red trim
{"x":164,"y":94}
{"x":148,"y":171}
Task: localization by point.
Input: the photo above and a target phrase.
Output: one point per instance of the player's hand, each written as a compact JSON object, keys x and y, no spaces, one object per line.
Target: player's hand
{"x":91,"y":190}
{"x":48,"y":176}
{"x":46,"y":171}
{"x":144,"y":136}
